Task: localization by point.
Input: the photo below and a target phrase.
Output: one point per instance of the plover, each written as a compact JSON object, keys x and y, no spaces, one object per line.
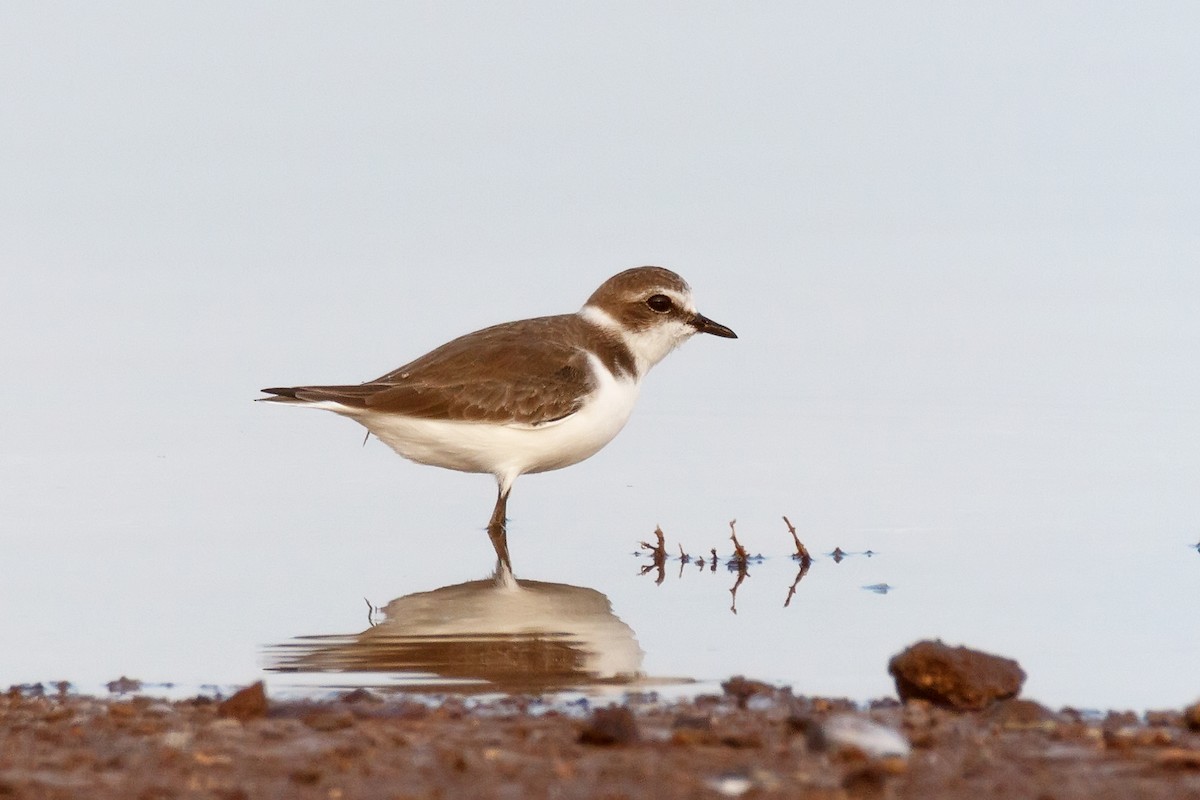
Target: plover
{"x":526,"y":396}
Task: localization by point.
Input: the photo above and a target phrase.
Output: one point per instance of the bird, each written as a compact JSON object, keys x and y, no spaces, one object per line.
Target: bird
{"x":526,"y":396}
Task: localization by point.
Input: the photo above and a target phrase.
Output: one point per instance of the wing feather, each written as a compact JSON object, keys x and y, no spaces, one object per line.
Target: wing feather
{"x":535,"y":372}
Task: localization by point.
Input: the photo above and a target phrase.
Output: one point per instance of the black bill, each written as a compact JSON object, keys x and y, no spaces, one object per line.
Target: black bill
{"x":705,"y":325}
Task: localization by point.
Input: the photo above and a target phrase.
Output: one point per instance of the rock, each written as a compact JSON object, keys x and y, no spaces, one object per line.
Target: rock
{"x":326,"y":721}
{"x":122,"y":710}
{"x":1178,"y":758}
{"x":1167,"y":718}
{"x":1022,"y":714}
{"x":306,"y":776}
{"x":123,"y":685}
{"x":1191,"y":717}
{"x":741,"y":689}
{"x":857,"y":737}
{"x":245,"y":704}
{"x":609,"y":726}
{"x":954,"y":677}
{"x":361,"y":695}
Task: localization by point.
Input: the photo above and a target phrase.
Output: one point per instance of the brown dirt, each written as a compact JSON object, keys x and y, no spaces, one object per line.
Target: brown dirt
{"x":752,"y":741}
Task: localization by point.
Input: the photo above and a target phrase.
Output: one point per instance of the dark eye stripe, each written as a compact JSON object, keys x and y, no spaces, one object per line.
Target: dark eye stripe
{"x":660,"y":303}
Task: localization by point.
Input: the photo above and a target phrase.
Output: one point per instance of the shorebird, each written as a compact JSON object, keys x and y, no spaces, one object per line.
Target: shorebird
{"x":526,"y":396}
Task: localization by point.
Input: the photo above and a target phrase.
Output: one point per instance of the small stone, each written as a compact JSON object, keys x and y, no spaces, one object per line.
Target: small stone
{"x":361,"y":695}
{"x":306,"y":776}
{"x":741,"y":689}
{"x":1191,"y":717}
{"x":123,"y":685}
{"x":692,"y":722}
{"x":954,"y":677}
{"x":1022,"y":715}
{"x":1164,"y":719}
{"x":122,"y":710}
{"x":731,"y":784}
{"x":207,"y":759}
{"x":857,"y":737}
{"x":226,"y":728}
{"x":917,"y":714}
{"x":326,"y":721}
{"x":692,"y":731}
{"x":245,"y":704}
{"x":1131,"y":736}
{"x":694,"y":737}
{"x":742,"y":741}
{"x":1178,"y":758}
{"x":59,"y":713}
{"x":1121,"y":719}
{"x":177,"y":740}
{"x":610,"y":726}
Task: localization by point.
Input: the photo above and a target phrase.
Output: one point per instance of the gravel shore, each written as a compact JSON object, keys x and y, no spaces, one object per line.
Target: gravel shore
{"x":753,"y":740}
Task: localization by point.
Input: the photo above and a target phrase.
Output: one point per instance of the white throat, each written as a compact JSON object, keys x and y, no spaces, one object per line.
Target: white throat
{"x":648,"y":346}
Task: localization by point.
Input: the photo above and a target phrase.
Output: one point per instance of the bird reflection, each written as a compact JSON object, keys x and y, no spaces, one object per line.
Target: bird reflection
{"x":496,"y":635}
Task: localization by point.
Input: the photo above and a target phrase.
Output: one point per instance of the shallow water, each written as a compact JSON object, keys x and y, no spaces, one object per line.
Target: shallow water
{"x":204,"y":569}
{"x":186,"y":536}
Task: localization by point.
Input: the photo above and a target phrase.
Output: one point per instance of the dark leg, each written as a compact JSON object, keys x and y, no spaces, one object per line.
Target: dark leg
{"x":497,"y":530}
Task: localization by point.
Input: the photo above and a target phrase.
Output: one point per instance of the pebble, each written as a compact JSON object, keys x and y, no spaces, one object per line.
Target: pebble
{"x":177,"y":740}
{"x":245,"y":704}
{"x":853,"y":735}
{"x":1191,"y":717}
{"x":610,"y":726}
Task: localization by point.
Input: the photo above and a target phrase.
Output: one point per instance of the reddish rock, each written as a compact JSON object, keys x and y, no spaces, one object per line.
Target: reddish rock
{"x":245,"y":704}
{"x":954,"y":677}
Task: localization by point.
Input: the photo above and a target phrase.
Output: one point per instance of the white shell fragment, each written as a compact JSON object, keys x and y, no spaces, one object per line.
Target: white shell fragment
{"x":843,"y":732}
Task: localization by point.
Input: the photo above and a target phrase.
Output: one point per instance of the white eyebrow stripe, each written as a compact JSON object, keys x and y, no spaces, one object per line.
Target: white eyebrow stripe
{"x":599,"y":316}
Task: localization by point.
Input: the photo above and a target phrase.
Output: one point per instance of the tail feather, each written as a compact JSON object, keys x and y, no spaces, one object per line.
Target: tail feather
{"x":348,"y":396}
{"x":281,"y":395}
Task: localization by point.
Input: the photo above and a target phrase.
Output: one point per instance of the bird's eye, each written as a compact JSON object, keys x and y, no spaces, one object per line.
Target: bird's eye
{"x":660,"y":303}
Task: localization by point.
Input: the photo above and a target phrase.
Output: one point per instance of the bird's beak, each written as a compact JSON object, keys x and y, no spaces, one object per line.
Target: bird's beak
{"x":703,"y":324}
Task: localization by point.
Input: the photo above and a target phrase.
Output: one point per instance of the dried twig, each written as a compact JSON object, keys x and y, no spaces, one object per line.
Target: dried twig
{"x":740,"y":556}
{"x":659,"y":548}
{"x":802,"y":555}
{"x":741,"y":576}
{"x":804,"y":565}
{"x":658,"y":553}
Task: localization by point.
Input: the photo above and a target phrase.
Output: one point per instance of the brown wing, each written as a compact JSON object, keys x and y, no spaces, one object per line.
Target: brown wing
{"x":531,"y":372}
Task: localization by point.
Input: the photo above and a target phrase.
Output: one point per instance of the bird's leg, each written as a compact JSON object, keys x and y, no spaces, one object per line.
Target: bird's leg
{"x":498,"y":532}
